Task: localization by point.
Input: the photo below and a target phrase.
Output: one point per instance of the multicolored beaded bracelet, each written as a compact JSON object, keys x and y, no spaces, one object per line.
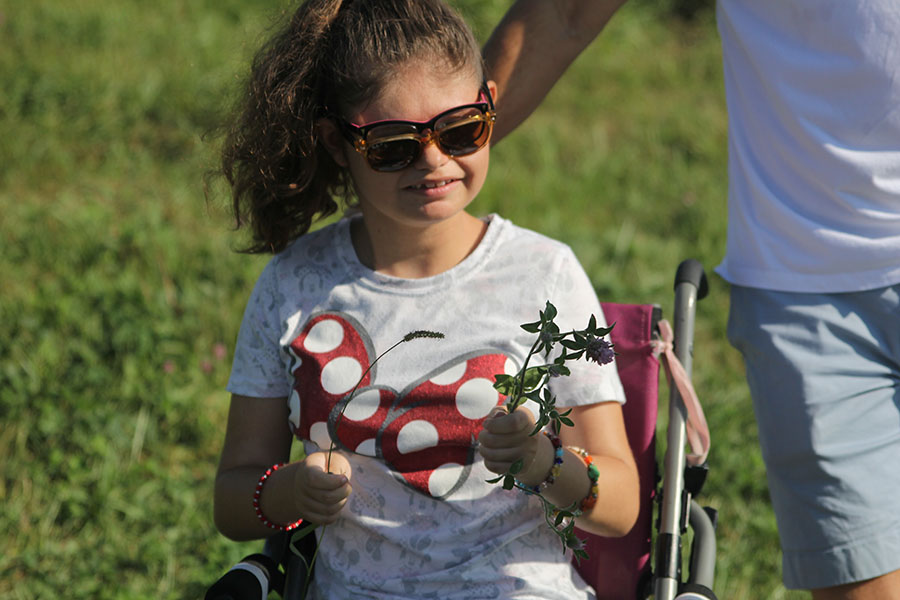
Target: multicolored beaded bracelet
{"x":593,"y":474}
{"x":557,"y":459}
{"x":259,"y":513}
{"x":554,"y":468}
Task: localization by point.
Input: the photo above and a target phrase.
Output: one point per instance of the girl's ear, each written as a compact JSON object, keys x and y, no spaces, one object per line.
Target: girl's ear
{"x":332,"y":139}
{"x":492,"y":88}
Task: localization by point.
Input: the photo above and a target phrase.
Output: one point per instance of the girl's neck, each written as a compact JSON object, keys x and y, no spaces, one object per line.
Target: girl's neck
{"x":418,"y":252}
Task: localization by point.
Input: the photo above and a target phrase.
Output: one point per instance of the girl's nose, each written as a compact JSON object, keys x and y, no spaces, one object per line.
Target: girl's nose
{"x":431,"y":157}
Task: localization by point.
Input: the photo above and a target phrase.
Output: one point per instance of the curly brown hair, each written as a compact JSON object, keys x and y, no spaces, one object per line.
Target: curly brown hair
{"x":331,"y":56}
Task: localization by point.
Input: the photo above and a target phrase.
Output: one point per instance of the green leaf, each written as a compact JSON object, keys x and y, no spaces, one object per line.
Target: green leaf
{"x":531,"y":327}
{"x":550,"y":311}
{"x":514,"y":402}
{"x":516,"y":467}
{"x":534,"y":396}
{"x":509,"y":482}
{"x":505,"y":384}
{"x":532,"y":378}
{"x":571,"y":345}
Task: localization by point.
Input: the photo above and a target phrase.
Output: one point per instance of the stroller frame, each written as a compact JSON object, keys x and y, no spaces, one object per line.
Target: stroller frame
{"x":678,"y":509}
{"x":618,"y":568}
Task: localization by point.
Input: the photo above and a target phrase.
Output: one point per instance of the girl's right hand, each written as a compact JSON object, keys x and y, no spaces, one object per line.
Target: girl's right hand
{"x":321,"y":495}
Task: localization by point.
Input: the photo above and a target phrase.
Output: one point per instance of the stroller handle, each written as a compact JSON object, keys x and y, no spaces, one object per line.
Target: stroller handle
{"x":690,"y":286}
{"x":691,"y":271}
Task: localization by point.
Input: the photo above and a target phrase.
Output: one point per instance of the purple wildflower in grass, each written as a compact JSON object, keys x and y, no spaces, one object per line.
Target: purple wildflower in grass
{"x":599,"y":350}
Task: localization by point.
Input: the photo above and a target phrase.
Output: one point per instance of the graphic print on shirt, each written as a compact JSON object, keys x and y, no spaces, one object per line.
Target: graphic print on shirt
{"x":424,"y":433}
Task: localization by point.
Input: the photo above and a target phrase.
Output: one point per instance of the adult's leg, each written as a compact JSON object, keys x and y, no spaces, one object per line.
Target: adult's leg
{"x":824,"y":373}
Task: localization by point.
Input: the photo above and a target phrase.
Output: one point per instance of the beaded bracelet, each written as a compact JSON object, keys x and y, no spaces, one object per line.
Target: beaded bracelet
{"x":259,"y":513}
{"x":593,"y":474}
{"x":554,"y":468}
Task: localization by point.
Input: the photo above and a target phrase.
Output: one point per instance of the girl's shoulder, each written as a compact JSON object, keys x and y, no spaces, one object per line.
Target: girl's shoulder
{"x":322,"y":245}
{"x":528,"y":245}
{"x":321,"y":253}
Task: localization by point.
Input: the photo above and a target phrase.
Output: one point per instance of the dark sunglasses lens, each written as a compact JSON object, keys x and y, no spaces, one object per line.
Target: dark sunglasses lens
{"x":392,"y":155}
{"x":466,"y":138}
{"x":464,"y":131}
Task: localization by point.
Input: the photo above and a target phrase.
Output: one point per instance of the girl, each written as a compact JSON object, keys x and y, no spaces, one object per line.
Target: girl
{"x":385,"y":101}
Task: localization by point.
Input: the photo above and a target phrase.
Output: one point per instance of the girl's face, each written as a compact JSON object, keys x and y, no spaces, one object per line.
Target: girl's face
{"x":435,"y":187}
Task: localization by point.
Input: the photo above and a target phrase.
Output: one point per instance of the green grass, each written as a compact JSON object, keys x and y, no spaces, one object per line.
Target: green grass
{"x":121,"y":293}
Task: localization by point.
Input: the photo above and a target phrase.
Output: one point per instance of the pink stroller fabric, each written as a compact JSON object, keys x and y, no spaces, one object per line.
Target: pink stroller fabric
{"x":616,"y":566}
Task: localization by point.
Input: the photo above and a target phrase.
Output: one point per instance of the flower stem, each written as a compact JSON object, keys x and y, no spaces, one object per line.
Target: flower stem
{"x":413,"y":335}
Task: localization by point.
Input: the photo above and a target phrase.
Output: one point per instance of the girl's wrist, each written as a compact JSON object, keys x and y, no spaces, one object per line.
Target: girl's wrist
{"x":541,"y":464}
{"x":257,"y":502}
{"x":272,"y":490}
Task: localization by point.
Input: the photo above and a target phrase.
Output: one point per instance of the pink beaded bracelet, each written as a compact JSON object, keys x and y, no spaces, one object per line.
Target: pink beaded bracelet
{"x":259,"y":513}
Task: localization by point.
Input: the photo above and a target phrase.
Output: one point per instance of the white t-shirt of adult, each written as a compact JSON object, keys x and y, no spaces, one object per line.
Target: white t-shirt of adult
{"x":813,"y":95}
{"x":421,"y":522}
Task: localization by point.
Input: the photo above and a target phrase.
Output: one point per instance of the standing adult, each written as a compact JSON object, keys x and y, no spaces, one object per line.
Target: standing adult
{"x":813,"y":255}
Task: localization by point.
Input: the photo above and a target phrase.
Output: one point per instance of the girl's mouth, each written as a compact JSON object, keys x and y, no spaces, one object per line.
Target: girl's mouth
{"x":431,"y":185}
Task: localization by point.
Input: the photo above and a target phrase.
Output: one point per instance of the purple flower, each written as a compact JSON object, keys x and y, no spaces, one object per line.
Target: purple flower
{"x":546,"y":337}
{"x":599,"y":350}
{"x":574,"y":542}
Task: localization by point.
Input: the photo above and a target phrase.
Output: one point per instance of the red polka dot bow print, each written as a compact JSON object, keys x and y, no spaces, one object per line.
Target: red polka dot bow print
{"x":425,"y":433}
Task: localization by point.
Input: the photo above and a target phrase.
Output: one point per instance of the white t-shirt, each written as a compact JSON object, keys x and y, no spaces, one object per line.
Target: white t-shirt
{"x":813,"y":91}
{"x":421,"y":522}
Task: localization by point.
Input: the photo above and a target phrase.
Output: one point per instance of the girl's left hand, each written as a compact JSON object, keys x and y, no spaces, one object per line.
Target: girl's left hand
{"x":506,"y":439}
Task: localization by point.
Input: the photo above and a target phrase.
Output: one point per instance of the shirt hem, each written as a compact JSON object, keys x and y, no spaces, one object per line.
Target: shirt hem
{"x":781,"y":281}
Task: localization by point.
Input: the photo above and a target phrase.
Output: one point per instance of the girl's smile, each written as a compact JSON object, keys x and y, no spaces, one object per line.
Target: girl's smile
{"x":433,"y":187}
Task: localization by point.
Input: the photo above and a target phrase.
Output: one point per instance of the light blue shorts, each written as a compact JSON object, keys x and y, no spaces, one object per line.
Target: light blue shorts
{"x":824,"y":373}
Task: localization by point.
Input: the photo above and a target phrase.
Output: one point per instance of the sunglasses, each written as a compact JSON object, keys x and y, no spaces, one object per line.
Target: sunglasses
{"x":394,"y":145}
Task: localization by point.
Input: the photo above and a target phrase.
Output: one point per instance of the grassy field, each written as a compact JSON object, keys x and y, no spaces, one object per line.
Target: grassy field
{"x":121,"y":293}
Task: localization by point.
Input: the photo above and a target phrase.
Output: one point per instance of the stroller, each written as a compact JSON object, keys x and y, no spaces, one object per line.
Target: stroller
{"x":618,"y":568}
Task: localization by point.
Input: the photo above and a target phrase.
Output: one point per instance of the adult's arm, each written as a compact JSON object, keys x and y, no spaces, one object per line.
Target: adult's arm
{"x":533,"y":45}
